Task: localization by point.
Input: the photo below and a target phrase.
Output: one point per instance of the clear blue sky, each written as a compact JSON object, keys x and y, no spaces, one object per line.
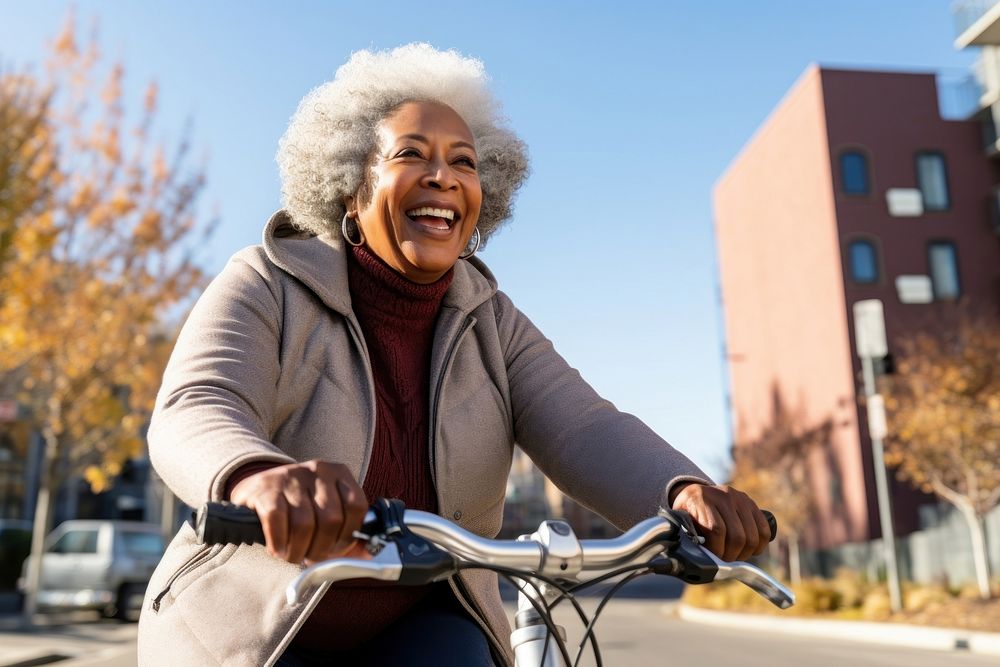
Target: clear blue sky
{"x":631,"y":111}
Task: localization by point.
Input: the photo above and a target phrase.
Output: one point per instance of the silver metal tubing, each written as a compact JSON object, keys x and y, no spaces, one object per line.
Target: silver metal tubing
{"x":636,"y":546}
{"x":385,"y":566}
{"x":631,"y":547}
{"x":469,"y":546}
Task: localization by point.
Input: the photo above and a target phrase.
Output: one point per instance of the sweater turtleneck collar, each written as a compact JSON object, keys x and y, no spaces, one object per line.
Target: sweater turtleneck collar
{"x":379,"y":290}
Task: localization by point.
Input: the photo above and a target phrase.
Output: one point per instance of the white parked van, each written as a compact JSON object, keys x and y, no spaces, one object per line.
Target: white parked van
{"x":101,"y":565}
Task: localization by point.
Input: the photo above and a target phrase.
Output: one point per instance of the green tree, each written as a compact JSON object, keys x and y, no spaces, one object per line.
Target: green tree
{"x":101,"y":234}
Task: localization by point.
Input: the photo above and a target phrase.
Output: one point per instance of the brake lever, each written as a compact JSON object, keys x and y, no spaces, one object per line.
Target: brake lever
{"x":695,"y":564}
{"x":423,"y":561}
{"x":754,"y":577}
{"x":386,"y":565}
{"x":398,"y":554}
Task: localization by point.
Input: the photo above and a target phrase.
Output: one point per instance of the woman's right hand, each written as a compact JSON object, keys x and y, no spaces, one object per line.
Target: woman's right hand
{"x":309,"y":511}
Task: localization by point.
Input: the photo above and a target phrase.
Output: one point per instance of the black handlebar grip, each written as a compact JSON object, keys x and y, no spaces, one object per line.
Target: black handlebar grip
{"x":225,"y":523}
{"x":772,"y":523}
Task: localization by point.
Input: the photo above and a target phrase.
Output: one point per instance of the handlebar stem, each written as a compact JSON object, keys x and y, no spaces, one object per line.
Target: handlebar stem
{"x":561,"y":549}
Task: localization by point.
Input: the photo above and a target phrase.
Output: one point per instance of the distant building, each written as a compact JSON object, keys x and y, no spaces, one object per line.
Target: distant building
{"x":134,"y":495}
{"x":532,"y":498}
{"x":854,"y":188}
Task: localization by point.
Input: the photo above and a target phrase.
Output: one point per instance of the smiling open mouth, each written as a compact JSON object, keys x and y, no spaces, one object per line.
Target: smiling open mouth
{"x":440,"y":219}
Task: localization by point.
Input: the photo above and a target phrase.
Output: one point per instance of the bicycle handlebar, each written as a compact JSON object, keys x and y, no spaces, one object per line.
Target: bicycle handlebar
{"x":552,"y":551}
{"x":225,"y":523}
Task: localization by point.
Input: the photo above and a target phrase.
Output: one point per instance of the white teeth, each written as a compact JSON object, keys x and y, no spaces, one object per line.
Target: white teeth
{"x":436,"y":212}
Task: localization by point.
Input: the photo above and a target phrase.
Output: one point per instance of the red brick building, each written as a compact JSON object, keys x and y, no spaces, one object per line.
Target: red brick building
{"x":854,"y":188}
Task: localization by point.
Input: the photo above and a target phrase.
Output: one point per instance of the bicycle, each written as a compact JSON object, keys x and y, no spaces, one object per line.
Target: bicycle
{"x":412,"y":547}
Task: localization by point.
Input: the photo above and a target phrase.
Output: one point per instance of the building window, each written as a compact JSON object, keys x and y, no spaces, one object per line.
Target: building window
{"x":932,"y":179}
{"x":854,"y":173}
{"x":864,"y":265}
{"x":944,"y":270}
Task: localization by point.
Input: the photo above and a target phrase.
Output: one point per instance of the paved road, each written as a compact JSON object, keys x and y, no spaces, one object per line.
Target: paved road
{"x":632,"y":631}
{"x":637,"y":632}
{"x":82,"y":641}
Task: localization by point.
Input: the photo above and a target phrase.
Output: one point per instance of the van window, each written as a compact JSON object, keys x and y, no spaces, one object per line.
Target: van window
{"x":142,"y":544}
{"x":76,"y":542}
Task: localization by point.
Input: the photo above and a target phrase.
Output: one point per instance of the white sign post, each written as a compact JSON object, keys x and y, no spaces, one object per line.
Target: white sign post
{"x":870,"y":340}
{"x":869,"y":329}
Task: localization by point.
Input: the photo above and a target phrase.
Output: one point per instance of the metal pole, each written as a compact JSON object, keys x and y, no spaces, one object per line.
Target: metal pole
{"x":168,"y":512}
{"x":884,"y":502}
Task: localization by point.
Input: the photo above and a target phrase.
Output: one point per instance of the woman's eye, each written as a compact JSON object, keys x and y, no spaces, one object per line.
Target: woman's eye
{"x":467,"y":161}
{"x":408,"y":152}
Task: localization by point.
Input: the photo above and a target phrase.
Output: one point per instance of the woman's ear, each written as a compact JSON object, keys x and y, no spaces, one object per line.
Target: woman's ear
{"x":350,"y":208}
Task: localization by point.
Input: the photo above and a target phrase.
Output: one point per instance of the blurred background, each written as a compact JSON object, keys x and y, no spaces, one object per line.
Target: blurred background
{"x":770,"y":230}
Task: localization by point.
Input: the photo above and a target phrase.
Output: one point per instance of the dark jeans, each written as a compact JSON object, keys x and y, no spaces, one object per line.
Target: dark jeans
{"x":438,"y":632}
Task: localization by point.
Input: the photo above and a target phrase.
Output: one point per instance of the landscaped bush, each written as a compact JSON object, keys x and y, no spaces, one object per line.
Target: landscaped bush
{"x":850,"y":596}
{"x":919,"y":598}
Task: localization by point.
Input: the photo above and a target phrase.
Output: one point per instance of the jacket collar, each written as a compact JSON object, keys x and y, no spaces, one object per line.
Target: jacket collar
{"x":320,"y":263}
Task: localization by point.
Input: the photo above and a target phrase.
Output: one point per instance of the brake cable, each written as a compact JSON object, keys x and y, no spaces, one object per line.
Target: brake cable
{"x":512,"y":576}
{"x":589,"y":632}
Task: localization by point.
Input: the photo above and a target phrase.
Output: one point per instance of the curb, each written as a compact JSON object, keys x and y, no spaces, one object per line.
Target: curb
{"x":892,"y":634}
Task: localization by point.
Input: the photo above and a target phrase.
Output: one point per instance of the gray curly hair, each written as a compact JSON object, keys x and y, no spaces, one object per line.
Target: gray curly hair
{"x":326,"y":150}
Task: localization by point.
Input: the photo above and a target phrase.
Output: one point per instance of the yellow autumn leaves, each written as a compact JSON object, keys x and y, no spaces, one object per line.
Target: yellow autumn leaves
{"x":97,"y":233}
{"x":944,"y":412}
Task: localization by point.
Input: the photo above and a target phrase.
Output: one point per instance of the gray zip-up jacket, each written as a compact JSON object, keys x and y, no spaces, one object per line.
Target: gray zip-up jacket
{"x":271,"y":365}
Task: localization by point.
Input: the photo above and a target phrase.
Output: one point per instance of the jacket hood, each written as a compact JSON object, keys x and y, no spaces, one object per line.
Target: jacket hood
{"x":320,"y":263}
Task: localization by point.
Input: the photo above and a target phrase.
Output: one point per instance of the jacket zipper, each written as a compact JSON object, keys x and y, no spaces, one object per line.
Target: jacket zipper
{"x":201,"y":556}
{"x":458,"y":587}
{"x":297,"y":624}
{"x":462,"y":597}
{"x":432,"y":426}
{"x":300,"y":620}
{"x":359,"y":340}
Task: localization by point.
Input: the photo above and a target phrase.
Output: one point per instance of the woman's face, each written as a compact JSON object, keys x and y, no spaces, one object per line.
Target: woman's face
{"x":425,"y":193}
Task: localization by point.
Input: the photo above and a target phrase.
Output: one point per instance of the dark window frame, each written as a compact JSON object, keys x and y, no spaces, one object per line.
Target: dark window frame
{"x":930,"y":268}
{"x":867,"y":161}
{"x":947,"y":179}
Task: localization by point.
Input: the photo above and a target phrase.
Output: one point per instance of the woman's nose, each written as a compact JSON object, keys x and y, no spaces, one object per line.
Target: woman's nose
{"x":440,"y":176}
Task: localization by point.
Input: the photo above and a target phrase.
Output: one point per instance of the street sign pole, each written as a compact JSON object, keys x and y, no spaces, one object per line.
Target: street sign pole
{"x":869,"y":335}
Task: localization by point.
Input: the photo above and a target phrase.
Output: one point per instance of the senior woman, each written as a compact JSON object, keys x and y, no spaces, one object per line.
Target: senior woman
{"x":362,"y":351}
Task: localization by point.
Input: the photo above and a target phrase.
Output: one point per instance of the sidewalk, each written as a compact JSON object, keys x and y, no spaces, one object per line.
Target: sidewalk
{"x":891,"y":634}
{"x":68,"y":641}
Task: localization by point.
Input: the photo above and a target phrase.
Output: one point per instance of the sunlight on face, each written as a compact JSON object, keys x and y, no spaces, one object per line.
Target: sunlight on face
{"x":426,"y":196}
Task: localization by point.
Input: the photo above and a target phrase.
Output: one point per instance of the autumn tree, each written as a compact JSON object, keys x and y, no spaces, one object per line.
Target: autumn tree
{"x":101,"y":235}
{"x":774,"y":470}
{"x":25,"y":153}
{"x":944,"y":422}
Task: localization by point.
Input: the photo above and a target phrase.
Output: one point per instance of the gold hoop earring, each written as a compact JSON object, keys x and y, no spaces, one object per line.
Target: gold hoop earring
{"x":347,"y":236}
{"x":467,"y":254}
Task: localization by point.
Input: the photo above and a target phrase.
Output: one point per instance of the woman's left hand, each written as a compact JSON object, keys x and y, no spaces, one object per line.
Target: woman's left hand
{"x":733,"y":526}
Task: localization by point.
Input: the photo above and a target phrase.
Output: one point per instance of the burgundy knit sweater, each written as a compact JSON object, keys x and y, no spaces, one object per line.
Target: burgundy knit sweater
{"x":397,"y":319}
